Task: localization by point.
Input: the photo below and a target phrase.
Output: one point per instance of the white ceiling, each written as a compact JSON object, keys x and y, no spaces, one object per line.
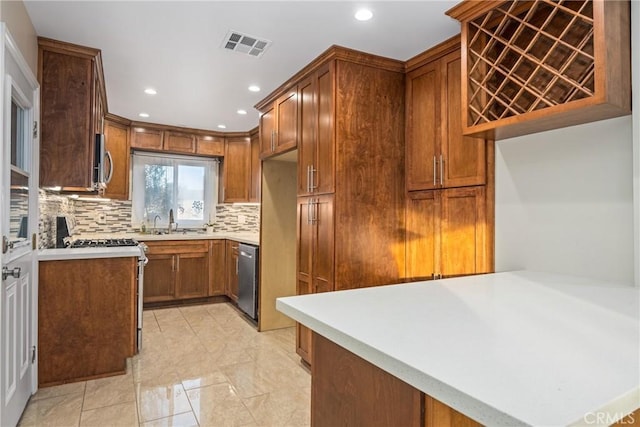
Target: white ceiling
{"x":175,"y":47}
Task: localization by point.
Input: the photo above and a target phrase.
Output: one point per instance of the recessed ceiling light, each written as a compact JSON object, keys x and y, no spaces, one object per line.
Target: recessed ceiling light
{"x":222,"y":127}
{"x":150,"y":91}
{"x":145,"y":115}
{"x":254,"y":88}
{"x":363,"y":15}
{"x":243,"y":112}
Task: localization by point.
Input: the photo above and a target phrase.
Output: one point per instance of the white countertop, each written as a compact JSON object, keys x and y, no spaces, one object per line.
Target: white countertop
{"x":87,"y":253}
{"x":507,"y":349}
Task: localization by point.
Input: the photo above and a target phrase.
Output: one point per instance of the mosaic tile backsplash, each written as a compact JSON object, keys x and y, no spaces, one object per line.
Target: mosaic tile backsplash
{"x":114,"y":216}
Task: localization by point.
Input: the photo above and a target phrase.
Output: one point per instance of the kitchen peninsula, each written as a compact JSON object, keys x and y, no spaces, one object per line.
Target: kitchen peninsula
{"x":505,"y":349}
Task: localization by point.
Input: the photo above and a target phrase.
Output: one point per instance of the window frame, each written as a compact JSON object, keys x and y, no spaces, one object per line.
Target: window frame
{"x":211,"y":183}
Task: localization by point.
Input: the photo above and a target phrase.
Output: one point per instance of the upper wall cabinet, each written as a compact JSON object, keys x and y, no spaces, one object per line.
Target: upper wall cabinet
{"x":72,"y":105}
{"x":153,"y":137}
{"x":530,"y":66}
{"x":279,"y":125}
{"x":437,"y":154}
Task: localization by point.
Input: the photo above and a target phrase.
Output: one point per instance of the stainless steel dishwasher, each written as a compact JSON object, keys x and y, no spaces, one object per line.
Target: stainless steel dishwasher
{"x":248,"y":279}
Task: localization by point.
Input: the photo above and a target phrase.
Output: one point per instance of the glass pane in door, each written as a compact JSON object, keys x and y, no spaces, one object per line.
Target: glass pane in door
{"x":19,"y":178}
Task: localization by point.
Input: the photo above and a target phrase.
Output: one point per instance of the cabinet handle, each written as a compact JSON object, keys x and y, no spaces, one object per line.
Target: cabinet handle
{"x":308,"y":178}
{"x":315,"y":203}
{"x":434,"y":170}
{"x":313,"y":179}
{"x":309,"y":212}
{"x":441,"y":170}
{"x":237,"y":259}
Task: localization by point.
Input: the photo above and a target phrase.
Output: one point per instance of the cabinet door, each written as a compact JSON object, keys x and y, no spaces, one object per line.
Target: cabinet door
{"x":306,"y":134}
{"x":287,"y":121}
{"x":256,"y":170}
{"x":116,"y":138}
{"x":323,"y":176}
{"x":159,"y":278}
{"x":423,"y":127}
{"x":463,"y":245}
{"x":304,"y":263}
{"x":267,"y":130}
{"x":422,"y":234}
{"x":323,"y":244}
{"x":463,"y":157}
{"x":237,"y":170}
{"x":232,"y":270}
{"x":146,"y":138}
{"x":217,"y":272}
{"x":192,"y":275}
{"x":67,"y":128}
{"x":179,"y":142}
{"x":210,"y":145}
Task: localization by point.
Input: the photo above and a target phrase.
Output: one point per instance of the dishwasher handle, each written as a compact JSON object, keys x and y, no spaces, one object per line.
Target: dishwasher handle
{"x":246,"y":254}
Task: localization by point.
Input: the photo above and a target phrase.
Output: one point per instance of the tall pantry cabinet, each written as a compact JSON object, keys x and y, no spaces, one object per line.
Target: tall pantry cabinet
{"x":351,"y":198}
{"x":449,"y":176}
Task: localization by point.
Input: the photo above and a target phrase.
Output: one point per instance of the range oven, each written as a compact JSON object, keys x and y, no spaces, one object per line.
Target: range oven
{"x":64,"y":238}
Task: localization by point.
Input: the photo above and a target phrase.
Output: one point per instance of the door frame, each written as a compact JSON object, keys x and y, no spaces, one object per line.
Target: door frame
{"x":11,"y":56}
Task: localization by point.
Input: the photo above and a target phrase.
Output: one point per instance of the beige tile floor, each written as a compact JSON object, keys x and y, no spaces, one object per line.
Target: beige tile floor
{"x":201,"y":365}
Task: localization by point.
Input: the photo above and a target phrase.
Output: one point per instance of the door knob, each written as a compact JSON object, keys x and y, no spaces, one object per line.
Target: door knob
{"x":15,"y":272}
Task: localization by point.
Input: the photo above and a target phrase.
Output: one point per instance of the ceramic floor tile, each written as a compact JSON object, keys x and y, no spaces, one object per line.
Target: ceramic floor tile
{"x":219,"y":405}
{"x":161,"y":401}
{"x":207,"y":356}
{"x":288,"y":407}
{"x":181,"y":420}
{"x":109,"y":391}
{"x":59,"y":390}
{"x":121,"y":415}
{"x":60,"y":411}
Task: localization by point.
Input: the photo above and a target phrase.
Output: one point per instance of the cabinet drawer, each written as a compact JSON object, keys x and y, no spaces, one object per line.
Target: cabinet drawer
{"x":177,"y":246}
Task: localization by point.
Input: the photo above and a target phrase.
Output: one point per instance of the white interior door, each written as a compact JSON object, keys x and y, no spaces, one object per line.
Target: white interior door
{"x":19,"y":225}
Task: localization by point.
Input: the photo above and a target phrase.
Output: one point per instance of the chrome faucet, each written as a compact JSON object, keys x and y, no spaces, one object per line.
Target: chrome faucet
{"x":154,"y":223}
{"x":171,"y":221}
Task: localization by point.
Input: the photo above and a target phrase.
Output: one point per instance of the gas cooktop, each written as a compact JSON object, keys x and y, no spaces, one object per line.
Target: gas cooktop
{"x":100,"y":243}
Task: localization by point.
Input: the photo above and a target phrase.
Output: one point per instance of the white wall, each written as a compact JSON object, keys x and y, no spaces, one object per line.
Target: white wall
{"x":564,"y":201}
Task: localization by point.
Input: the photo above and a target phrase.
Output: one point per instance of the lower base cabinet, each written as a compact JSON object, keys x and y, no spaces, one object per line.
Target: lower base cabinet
{"x":177,"y":269}
{"x":232,"y":254}
{"x":348,"y":390}
{"x":86,"y":318}
{"x":217,"y":267}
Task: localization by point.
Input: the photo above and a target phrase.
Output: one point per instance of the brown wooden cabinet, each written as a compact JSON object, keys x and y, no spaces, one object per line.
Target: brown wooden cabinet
{"x":351,"y":223}
{"x":232,"y":254}
{"x":72,"y":105}
{"x":116,"y":134}
{"x":438,"y":155}
{"x":537,"y":65}
{"x":236,"y":169}
{"x":447,"y":233}
{"x":279,"y":124}
{"x":217,"y":267}
{"x":256,"y":168}
{"x":86,"y":318}
{"x":210,"y":145}
{"x":179,"y":142}
{"x":146,"y":138}
{"x":316,"y":155}
{"x":315,"y":256}
{"x":177,"y":269}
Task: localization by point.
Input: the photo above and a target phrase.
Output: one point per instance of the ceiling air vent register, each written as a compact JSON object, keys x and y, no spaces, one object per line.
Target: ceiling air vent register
{"x":244,"y":43}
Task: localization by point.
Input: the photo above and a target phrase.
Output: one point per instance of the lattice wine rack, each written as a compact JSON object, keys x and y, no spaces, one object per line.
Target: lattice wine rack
{"x":530,"y":60}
